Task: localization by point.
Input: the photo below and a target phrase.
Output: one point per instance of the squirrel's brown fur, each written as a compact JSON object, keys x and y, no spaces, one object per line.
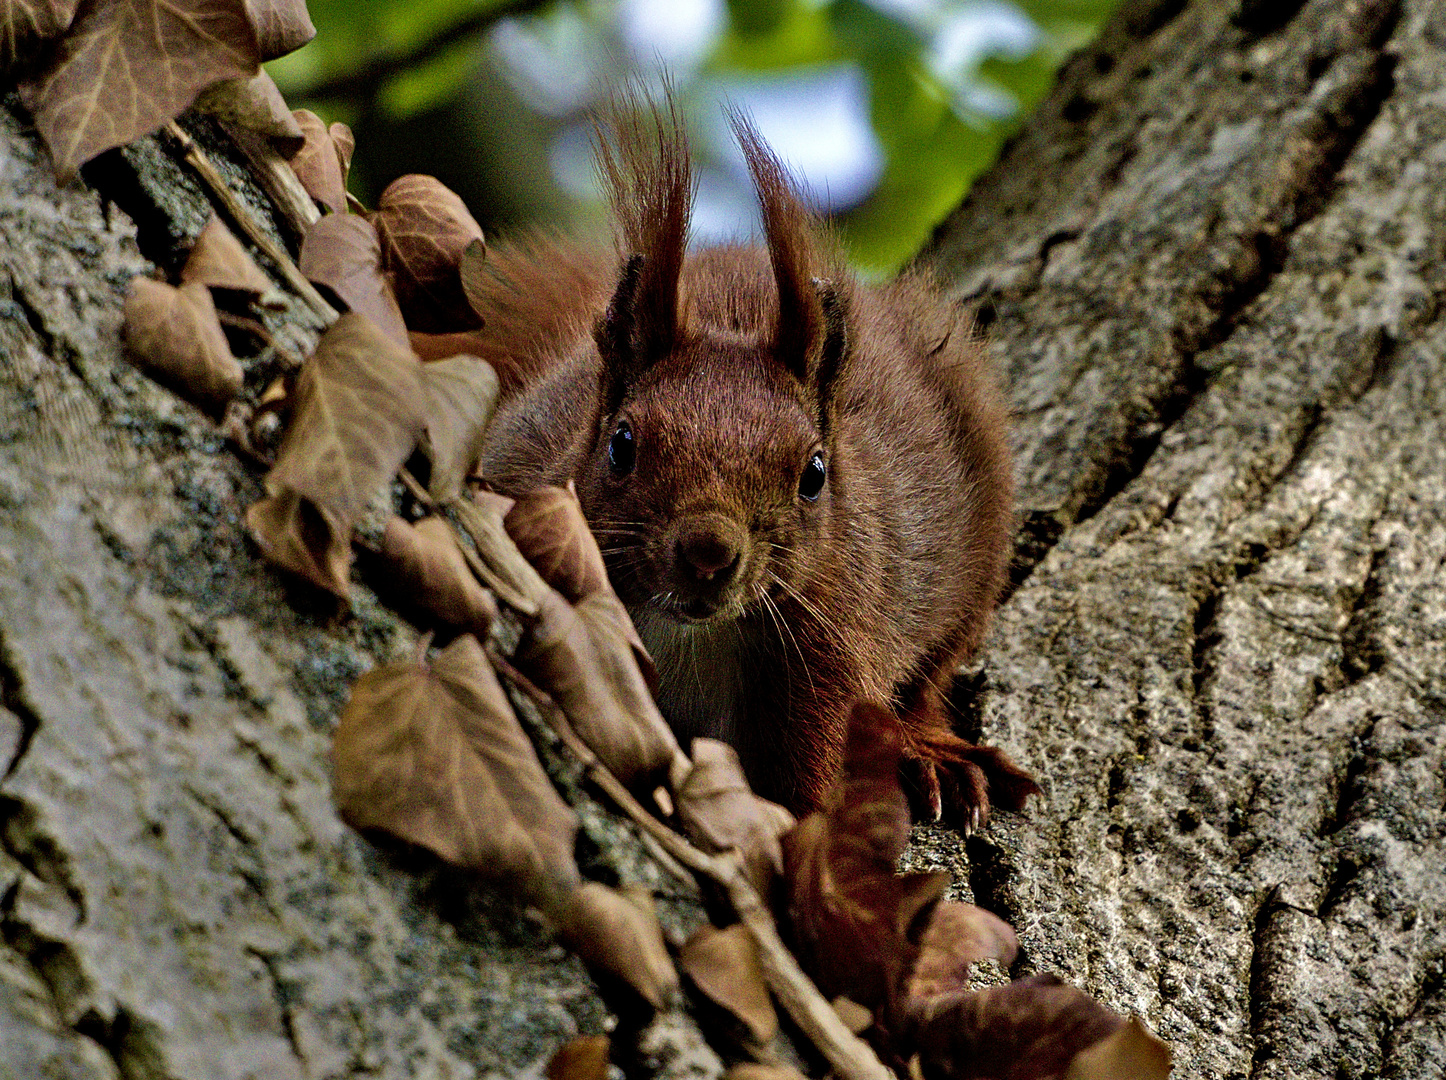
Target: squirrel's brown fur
{"x":769,"y":612}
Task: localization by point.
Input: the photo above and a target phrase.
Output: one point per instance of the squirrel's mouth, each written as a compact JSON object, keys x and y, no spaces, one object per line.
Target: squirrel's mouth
{"x":695,"y":610}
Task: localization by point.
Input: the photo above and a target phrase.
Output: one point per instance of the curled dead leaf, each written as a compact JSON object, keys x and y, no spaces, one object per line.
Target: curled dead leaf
{"x":424,"y":228}
{"x":548,"y":528}
{"x":218,"y":260}
{"x":855,"y":923}
{"x":752,"y":1070}
{"x":440,"y":346}
{"x":318,"y":164}
{"x":582,"y":656}
{"x":257,"y":104}
{"x":341,"y":252}
{"x":463,"y":392}
{"x":719,"y":811}
{"x":583,"y":1058}
{"x":126,"y":67}
{"x":1031,"y":1029}
{"x":176,"y":336}
{"x":432,"y":753}
{"x":617,"y":934}
{"x":25,"y":25}
{"x":357,"y":412}
{"x":957,"y":937}
{"x":724,"y":966}
{"x":282,"y":26}
{"x":345,"y":143}
{"x":430,"y":572}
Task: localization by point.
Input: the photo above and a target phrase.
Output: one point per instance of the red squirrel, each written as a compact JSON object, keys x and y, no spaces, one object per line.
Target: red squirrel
{"x":799,"y":483}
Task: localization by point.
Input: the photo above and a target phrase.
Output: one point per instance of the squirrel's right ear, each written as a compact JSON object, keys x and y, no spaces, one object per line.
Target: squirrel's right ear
{"x":645,"y":164}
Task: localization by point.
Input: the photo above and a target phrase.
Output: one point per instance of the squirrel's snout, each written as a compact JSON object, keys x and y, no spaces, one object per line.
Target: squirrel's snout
{"x":707,"y":549}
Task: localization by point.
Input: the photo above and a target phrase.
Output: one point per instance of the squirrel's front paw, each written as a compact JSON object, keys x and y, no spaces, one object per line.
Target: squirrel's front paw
{"x":956,"y":781}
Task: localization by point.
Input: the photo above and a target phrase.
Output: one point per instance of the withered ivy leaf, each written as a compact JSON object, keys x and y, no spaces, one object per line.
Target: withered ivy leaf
{"x":957,"y":937}
{"x":548,"y":528}
{"x":318,"y":163}
{"x":724,"y":966}
{"x":854,"y":923}
{"x":254,"y":103}
{"x":357,"y":412}
{"x":430,"y":572}
{"x":218,"y":260}
{"x":752,"y":1070}
{"x":582,"y":655}
{"x":345,"y":144}
{"x":1030,"y":1029}
{"x":463,"y":392}
{"x":1129,"y":1053}
{"x":719,"y":811}
{"x":126,"y":67}
{"x":25,"y":25}
{"x":432,"y":753}
{"x":582,"y":1058}
{"x":282,"y":26}
{"x":425,"y":227}
{"x":175,"y":335}
{"x":617,"y":934}
{"x":441,"y":346}
{"x":341,"y":252}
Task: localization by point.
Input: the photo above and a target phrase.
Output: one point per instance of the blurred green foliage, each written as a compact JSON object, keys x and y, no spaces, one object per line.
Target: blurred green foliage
{"x":425,"y":92}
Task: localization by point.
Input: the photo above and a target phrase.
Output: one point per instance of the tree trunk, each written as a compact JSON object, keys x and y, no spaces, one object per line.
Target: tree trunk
{"x":1210,"y":268}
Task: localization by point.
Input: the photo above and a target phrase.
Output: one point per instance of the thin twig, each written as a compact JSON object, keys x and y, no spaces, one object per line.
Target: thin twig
{"x":247,"y":223}
{"x":850,"y":1057}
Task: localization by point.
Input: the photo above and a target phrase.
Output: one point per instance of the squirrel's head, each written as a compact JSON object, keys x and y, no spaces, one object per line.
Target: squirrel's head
{"x":711,"y":481}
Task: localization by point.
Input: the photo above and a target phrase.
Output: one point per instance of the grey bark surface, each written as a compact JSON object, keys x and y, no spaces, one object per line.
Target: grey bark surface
{"x":1212,"y":268}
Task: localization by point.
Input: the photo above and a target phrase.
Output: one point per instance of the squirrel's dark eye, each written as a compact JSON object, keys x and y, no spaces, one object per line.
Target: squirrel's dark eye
{"x":814,"y":474}
{"x":622,"y":454}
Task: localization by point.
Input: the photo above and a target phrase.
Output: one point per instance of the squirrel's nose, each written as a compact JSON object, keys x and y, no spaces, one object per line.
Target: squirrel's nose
{"x":705,"y":550}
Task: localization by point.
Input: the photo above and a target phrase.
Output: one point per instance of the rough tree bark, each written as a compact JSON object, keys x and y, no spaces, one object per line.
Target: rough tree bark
{"x":1212,"y":269}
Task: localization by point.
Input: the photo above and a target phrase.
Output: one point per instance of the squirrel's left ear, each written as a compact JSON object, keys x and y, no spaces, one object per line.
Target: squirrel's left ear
{"x":811,"y":337}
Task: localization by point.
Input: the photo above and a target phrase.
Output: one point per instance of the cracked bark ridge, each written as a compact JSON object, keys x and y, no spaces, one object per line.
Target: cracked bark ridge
{"x":177,"y":896}
{"x":1226,"y":658}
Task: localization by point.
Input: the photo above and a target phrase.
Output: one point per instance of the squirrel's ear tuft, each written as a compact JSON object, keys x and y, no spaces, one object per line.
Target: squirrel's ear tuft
{"x":645,"y":165}
{"x":811,"y":332}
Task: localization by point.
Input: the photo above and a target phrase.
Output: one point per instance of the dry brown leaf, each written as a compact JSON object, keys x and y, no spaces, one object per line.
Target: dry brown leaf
{"x":433,"y":754}
{"x":341,"y":252}
{"x":425,"y":227}
{"x":345,"y":143}
{"x":752,"y":1070}
{"x":282,"y":26}
{"x":440,"y":346}
{"x":582,"y":656}
{"x":257,"y":104}
{"x":357,"y":412}
{"x":618,"y":935}
{"x":126,"y":67}
{"x":473,"y":275}
{"x":463,"y":392}
{"x":854,"y":922}
{"x":548,"y":528}
{"x":294,"y":533}
{"x":958,"y":936}
{"x":719,"y":811}
{"x":175,"y":335}
{"x":318,"y":164}
{"x":724,"y":966}
{"x":219,"y":261}
{"x":1129,"y":1053}
{"x":854,"y":1016}
{"x":584,"y":1058}
{"x":1030,"y":1029}
{"x":430,"y":573}
{"x":25,"y":25}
